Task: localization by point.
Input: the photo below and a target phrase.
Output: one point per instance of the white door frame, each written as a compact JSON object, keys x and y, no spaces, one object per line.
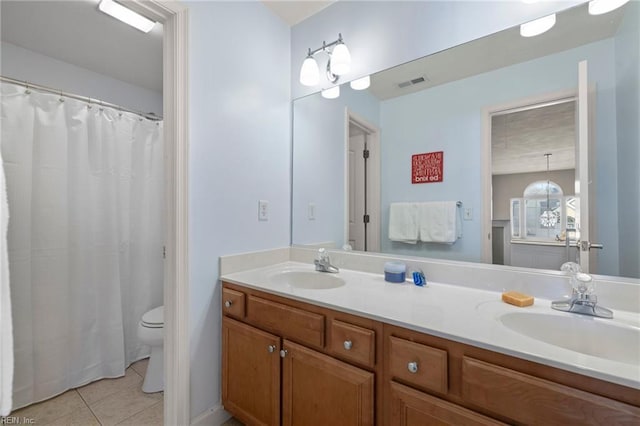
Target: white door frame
{"x":175,"y":89}
{"x":487,"y":195}
{"x":373,"y":178}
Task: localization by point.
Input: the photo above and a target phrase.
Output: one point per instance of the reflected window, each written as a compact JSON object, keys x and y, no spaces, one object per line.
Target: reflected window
{"x":543,"y":213}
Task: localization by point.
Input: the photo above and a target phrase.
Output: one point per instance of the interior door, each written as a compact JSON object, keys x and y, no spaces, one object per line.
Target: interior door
{"x":357,"y":230}
{"x":585,"y":187}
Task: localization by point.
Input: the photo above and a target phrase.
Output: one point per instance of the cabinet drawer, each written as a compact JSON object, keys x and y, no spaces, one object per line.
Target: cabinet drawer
{"x":531,"y":400}
{"x":410,"y":407}
{"x":286,"y":321}
{"x":233,"y":303}
{"x":419,"y":365}
{"x":352,"y":342}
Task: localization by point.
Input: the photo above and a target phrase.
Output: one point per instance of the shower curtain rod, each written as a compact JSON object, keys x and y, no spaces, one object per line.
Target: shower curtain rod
{"x":149,"y":116}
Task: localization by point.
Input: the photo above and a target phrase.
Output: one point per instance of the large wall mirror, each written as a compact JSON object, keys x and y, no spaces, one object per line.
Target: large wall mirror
{"x":487,"y":111}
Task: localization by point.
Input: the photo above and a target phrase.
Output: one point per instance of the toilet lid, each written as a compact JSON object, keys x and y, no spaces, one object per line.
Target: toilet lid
{"x":154,"y":317}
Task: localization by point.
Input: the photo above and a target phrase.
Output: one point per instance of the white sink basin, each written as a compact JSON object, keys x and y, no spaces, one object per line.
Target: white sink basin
{"x":310,"y":280}
{"x":579,"y":333}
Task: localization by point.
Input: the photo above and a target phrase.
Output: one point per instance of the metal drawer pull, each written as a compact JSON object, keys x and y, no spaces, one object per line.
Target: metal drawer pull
{"x":412,"y":367}
{"x":348,"y":345}
{"x":271,"y":348}
{"x":228,"y":303}
{"x":283,"y":353}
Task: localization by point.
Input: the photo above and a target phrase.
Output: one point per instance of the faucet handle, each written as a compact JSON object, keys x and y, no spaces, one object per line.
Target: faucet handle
{"x":322,"y":254}
{"x":583,"y":283}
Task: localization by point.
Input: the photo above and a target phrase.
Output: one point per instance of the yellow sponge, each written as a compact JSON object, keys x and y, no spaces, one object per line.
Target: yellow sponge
{"x":517,"y":299}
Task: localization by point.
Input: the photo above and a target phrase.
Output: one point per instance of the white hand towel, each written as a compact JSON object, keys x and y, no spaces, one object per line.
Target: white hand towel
{"x":437,"y":221}
{"x":6,"y":328}
{"x":403,"y":222}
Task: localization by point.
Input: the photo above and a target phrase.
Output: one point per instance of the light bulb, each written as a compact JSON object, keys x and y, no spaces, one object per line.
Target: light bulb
{"x":361,"y":83}
{"x":331,"y":93}
{"x":598,"y":7}
{"x":537,"y":27}
{"x":340,"y":60}
{"x":309,"y":73}
{"x":126,"y":15}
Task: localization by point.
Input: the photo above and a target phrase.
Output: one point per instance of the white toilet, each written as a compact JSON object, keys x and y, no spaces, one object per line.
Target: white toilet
{"x":151,"y":332}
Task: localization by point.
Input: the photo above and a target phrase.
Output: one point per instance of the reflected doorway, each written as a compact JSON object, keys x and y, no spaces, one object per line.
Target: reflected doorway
{"x":363,"y":184}
{"x":533,"y":175}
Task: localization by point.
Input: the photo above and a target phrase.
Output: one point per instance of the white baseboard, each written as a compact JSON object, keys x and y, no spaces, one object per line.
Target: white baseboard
{"x":214,"y":416}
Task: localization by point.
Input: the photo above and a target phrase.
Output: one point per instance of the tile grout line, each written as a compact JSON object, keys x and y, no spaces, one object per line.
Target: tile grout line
{"x":89,"y":407}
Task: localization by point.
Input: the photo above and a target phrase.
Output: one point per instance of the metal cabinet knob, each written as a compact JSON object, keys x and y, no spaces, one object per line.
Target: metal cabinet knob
{"x":228,"y":303}
{"x":271,"y":348}
{"x":283,"y":353}
{"x":412,"y":367}
{"x":348,"y":345}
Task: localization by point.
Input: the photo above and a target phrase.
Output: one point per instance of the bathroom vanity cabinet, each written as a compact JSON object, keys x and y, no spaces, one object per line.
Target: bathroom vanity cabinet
{"x":294,"y":363}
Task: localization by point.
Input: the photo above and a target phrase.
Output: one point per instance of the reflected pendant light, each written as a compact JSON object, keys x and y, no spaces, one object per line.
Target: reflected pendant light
{"x":537,"y":27}
{"x":598,"y":7}
{"x":331,"y":93}
{"x":548,"y":218}
{"x":361,"y":83}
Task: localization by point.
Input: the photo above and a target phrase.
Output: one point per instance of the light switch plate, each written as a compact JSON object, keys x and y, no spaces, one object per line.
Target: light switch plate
{"x":263,"y":210}
{"x":311,"y":211}
{"x":468,"y":213}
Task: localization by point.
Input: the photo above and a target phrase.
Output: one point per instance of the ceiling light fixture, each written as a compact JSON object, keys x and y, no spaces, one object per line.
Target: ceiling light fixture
{"x":126,"y":15}
{"x":598,"y":7}
{"x":361,"y":83}
{"x":539,"y":26}
{"x":339,"y":63}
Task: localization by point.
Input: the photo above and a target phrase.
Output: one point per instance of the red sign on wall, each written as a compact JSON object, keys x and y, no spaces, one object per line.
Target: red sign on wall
{"x":427,"y":167}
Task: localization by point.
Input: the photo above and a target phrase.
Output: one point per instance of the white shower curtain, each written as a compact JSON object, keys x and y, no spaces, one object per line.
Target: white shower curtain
{"x":85,"y":188}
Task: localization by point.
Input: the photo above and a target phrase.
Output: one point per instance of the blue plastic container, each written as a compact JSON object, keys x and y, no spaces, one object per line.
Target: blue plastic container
{"x":395,"y":272}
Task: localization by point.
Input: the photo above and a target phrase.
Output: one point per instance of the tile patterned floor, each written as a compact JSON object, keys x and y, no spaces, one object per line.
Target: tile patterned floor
{"x":106,"y":402}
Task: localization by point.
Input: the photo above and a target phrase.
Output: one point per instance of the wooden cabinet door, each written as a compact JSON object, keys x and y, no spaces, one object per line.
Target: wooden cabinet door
{"x":320,"y":390}
{"x":250,"y":373}
{"x":410,"y":407}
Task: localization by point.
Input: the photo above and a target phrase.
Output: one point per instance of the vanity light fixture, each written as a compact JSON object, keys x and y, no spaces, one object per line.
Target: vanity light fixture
{"x":339,"y":63}
{"x":598,"y":7}
{"x":126,"y":15}
{"x":538,"y":26}
{"x":331,"y":93}
{"x":361,"y":83}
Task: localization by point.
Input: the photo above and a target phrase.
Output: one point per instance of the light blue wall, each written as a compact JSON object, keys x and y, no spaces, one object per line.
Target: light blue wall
{"x":448,"y":118}
{"x":383,"y":34}
{"x":319,"y":162}
{"x":24,"y":64}
{"x":627,"y":45}
{"x":239,"y":153}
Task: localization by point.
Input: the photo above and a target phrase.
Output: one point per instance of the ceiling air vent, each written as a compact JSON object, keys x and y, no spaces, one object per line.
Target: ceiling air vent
{"x":411,"y":82}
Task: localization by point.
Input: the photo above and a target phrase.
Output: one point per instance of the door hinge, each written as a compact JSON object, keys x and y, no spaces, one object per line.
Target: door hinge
{"x":164,"y":252}
{"x":365,"y":219}
{"x":365,"y":154}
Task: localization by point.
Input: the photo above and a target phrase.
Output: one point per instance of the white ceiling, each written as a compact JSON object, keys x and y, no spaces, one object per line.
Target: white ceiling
{"x":77,"y":33}
{"x":293,"y":12}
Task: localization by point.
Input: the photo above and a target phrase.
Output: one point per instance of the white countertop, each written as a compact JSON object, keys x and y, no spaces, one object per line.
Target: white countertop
{"x":463,"y":314}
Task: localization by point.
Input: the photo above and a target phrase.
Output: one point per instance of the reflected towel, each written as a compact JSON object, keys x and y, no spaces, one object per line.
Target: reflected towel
{"x":6,"y":328}
{"x":437,"y":221}
{"x":403,"y":222}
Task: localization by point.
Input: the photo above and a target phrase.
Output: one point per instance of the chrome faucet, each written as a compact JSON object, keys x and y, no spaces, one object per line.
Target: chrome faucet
{"x":582,"y":300}
{"x":323,"y":263}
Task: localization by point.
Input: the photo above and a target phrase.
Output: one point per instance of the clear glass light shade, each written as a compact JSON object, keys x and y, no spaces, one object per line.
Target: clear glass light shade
{"x":537,"y":27}
{"x":126,"y":15}
{"x":340,"y":60}
{"x":361,"y":83}
{"x":331,"y":93}
{"x":309,"y":73}
{"x":598,"y":7}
